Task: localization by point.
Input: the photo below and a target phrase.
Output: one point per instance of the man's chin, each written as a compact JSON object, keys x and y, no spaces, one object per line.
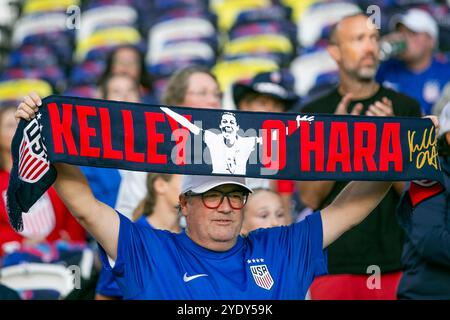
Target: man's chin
{"x":367,"y":74}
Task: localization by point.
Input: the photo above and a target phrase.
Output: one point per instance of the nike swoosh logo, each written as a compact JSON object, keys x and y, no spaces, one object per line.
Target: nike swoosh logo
{"x":187,"y":279}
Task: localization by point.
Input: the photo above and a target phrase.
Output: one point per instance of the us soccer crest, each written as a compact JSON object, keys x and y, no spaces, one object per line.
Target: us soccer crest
{"x":262,"y":276}
{"x":33,"y":162}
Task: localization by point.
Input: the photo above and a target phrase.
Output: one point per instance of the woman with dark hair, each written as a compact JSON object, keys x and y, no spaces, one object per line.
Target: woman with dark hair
{"x":128,"y":60}
{"x":193,"y":86}
{"x":157,"y":210}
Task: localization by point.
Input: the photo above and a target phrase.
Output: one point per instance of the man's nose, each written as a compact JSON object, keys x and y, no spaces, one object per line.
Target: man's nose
{"x":371,"y":46}
{"x":225,"y":206}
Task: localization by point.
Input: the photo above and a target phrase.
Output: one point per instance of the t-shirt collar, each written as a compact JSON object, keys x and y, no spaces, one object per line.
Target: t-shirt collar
{"x":192,"y":246}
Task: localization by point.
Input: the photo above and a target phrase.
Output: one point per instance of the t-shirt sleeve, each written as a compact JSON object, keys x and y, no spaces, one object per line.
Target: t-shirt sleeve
{"x":132,"y":259}
{"x":302,"y":244}
{"x":308,"y":255}
{"x":107,"y":285}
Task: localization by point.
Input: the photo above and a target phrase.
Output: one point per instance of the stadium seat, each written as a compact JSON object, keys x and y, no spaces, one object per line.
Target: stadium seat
{"x":16,"y":89}
{"x":308,"y":67}
{"x":105,"y":16}
{"x":38,"y":276}
{"x":319,"y":16}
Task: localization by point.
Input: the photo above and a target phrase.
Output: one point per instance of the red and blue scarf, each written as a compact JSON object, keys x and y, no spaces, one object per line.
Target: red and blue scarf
{"x":179,"y":140}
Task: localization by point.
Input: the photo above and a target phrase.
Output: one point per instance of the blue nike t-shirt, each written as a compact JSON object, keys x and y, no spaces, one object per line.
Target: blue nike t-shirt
{"x":106,"y":283}
{"x":273,"y":263}
{"x":426,"y":86}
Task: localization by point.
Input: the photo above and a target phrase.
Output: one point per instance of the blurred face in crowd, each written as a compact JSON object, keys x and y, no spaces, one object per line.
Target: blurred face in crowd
{"x":8,"y":127}
{"x":202,"y":92}
{"x":261,"y":103}
{"x":419,"y":45}
{"x":126,"y":61}
{"x":264,"y":209}
{"x":355,"y":47}
{"x":169,"y":190}
{"x":122,"y":88}
{"x":215,"y":229}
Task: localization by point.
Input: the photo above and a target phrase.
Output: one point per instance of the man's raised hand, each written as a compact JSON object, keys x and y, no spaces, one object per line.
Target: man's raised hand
{"x":28,"y":108}
{"x":342,"y":108}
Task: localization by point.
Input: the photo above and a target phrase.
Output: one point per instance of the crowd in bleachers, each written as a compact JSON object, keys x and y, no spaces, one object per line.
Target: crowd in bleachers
{"x":133,"y":50}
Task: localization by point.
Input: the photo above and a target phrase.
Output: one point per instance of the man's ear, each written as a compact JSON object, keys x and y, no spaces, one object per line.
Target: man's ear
{"x":183,"y":203}
{"x":334,"y":52}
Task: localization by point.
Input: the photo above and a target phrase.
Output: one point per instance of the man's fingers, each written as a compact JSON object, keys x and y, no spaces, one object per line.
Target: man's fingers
{"x":386,"y":108}
{"x":27,"y":110}
{"x":36,"y":98}
{"x":29,"y":102}
{"x":387,"y":101}
{"x":20,"y":114}
{"x":435,"y":120}
{"x":379,"y":109}
{"x":343,"y":105}
{"x":357,"y":109}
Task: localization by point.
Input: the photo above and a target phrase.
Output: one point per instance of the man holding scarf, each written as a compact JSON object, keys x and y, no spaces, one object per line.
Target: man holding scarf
{"x":210,"y":260}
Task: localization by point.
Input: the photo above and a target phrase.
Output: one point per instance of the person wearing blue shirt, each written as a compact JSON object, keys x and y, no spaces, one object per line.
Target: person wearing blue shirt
{"x":210,"y":260}
{"x":417,"y":71}
{"x":107,"y":287}
{"x":157,"y":210}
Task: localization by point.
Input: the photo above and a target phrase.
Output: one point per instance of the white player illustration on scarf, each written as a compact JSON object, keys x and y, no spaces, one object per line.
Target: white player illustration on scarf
{"x":229,"y":151}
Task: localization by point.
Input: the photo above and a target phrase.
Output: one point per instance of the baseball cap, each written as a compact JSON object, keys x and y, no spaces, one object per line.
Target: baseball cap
{"x":444,"y":120}
{"x":277,"y":84}
{"x":418,"y":20}
{"x":200,"y":184}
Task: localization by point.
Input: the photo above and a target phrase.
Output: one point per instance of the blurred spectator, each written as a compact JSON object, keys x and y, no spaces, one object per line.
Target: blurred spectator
{"x":417,"y":71}
{"x":105,"y":182}
{"x":444,"y":99}
{"x":128,"y":60}
{"x":426,"y":253}
{"x":354,"y":45}
{"x":264,"y":209}
{"x":269,"y":92}
{"x":266,"y":92}
{"x":158,"y":210}
{"x":193,"y":86}
{"x":47,"y":221}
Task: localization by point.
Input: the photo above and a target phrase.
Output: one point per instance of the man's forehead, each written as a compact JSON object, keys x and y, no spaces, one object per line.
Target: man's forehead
{"x":228,"y":187}
{"x":355,"y":25}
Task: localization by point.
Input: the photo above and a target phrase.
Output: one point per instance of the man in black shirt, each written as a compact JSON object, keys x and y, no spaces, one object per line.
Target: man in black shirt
{"x":376,"y":244}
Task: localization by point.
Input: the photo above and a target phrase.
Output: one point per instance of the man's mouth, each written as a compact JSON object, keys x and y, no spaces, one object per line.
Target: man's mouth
{"x":368,"y":60}
{"x":223,"y":222}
